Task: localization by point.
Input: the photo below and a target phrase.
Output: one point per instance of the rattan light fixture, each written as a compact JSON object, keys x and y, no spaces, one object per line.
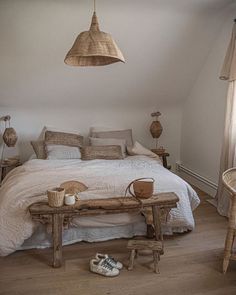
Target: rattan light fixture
{"x":156,"y":127}
{"x":94,"y":48}
{"x":9,"y":135}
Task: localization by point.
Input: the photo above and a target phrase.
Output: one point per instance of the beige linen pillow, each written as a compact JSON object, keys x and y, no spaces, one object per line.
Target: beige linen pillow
{"x":95,"y":129}
{"x":39,"y":149}
{"x":63,"y":138}
{"x":62,"y":152}
{"x":118,"y":134}
{"x":109,"y":141}
{"x":139,"y":149}
{"x":109,"y":152}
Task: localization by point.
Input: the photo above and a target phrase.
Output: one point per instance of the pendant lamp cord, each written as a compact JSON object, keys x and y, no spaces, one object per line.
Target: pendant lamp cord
{"x":94,"y":5}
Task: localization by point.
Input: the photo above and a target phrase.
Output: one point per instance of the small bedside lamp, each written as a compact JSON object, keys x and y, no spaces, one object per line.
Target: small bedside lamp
{"x":9,"y":136}
{"x":156,"y":127}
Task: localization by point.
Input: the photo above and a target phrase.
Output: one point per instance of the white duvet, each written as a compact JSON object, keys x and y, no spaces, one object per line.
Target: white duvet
{"x":105,"y":178}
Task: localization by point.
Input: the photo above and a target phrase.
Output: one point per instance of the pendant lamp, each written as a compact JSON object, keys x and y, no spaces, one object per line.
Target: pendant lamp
{"x":94,"y":48}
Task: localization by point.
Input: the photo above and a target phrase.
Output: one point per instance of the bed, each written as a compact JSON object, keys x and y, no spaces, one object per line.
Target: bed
{"x":105,"y":179}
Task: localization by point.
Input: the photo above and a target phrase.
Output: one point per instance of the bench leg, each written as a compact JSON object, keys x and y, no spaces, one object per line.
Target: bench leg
{"x":57,"y":220}
{"x":131,"y":259}
{"x":157,"y":223}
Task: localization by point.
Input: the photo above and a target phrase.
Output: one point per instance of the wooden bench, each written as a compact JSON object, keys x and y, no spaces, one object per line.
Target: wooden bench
{"x":161,"y":205}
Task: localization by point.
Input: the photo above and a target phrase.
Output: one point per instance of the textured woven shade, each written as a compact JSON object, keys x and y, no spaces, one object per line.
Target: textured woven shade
{"x":94,"y":48}
{"x":156,"y":127}
{"x":10,"y":137}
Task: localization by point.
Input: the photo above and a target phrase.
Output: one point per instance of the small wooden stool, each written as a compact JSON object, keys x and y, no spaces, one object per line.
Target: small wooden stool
{"x":155,"y":246}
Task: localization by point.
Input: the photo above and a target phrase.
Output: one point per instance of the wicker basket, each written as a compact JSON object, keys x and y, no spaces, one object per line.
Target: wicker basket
{"x":56,"y":197}
{"x":142,"y":187}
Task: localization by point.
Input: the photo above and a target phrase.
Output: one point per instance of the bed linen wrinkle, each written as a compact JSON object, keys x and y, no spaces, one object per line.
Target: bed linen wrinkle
{"x":105,"y":179}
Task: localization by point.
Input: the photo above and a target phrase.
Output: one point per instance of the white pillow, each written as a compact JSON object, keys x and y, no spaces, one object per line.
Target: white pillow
{"x":109,"y":141}
{"x":62,"y":152}
{"x":138,"y":149}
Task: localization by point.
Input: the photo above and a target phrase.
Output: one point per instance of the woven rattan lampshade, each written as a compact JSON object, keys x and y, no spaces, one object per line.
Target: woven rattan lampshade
{"x":156,"y":127}
{"x":94,"y":48}
{"x":10,"y":137}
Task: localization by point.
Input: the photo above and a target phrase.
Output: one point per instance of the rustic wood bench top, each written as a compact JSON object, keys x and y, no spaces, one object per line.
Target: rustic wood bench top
{"x":43,"y":213}
{"x":86,"y":207}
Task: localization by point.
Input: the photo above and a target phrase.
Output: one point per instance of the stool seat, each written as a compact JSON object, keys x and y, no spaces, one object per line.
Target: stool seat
{"x":145,"y":245}
{"x":155,"y":246}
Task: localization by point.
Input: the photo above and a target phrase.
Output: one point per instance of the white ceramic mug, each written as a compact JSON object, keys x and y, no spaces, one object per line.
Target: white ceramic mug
{"x":69,"y":199}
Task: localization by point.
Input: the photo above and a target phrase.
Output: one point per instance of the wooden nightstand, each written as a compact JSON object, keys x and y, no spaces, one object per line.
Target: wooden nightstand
{"x":5,"y":167}
{"x":163,"y":155}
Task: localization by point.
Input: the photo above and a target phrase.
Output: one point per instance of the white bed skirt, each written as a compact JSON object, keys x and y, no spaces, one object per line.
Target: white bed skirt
{"x":41,"y":239}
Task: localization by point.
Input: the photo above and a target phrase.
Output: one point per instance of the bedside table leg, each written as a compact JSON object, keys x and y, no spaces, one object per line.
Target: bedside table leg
{"x":3,"y":173}
{"x":164,"y":161}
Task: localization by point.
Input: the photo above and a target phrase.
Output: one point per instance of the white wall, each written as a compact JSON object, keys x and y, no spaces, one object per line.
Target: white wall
{"x":204,"y":111}
{"x":165,"y":43}
{"x":29,"y":122}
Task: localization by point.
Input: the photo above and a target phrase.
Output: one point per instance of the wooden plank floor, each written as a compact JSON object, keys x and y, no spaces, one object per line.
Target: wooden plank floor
{"x":191,"y":265}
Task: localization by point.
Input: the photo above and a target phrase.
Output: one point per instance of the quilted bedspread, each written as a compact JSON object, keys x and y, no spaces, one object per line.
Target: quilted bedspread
{"x":104,"y":178}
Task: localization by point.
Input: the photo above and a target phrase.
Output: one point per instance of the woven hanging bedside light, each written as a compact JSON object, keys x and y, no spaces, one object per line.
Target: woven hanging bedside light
{"x":9,"y":135}
{"x":94,"y":48}
{"x":156,"y":127}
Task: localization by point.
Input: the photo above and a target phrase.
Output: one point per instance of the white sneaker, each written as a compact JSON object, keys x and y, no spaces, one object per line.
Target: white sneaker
{"x":110,"y":260}
{"x":103,"y":268}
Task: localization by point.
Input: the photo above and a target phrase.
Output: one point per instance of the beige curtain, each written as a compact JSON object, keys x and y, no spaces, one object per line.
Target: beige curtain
{"x":228,"y":156}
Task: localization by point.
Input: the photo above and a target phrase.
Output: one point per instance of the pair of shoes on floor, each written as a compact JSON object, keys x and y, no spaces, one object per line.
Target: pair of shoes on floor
{"x":105,"y":265}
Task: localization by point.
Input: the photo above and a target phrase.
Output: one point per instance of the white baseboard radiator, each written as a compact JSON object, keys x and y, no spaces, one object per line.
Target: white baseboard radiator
{"x":196,"y":179}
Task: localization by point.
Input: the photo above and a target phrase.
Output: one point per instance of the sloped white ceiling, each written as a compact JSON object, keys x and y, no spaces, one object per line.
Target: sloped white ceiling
{"x":165,"y":44}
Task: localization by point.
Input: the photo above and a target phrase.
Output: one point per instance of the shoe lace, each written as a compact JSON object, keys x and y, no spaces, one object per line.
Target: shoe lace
{"x":111,"y":260}
{"x":106,"y":265}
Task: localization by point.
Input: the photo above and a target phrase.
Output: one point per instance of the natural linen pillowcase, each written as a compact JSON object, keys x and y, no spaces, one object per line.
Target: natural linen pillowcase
{"x":109,"y":152}
{"x":109,"y":141}
{"x":39,"y":149}
{"x":118,"y":134}
{"x":62,"y":152}
{"x":139,"y":149}
{"x":63,"y":138}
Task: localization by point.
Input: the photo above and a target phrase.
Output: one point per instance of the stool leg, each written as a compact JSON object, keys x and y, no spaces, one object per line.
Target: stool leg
{"x":156,"y":258}
{"x":131,"y":259}
{"x":228,"y":248}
